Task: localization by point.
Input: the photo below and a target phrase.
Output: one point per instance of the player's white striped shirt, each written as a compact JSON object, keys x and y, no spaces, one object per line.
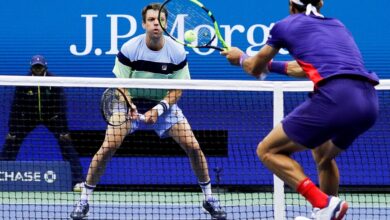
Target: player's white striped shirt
{"x":136,"y":60}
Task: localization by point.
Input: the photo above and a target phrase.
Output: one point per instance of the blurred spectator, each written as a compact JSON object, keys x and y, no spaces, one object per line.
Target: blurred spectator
{"x":37,"y":105}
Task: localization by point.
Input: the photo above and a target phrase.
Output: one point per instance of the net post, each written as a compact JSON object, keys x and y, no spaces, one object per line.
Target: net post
{"x":278,"y":114}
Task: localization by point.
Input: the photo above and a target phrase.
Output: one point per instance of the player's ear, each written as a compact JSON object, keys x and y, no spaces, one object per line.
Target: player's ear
{"x":291,"y":8}
{"x":321,"y":4}
{"x":143,"y":25}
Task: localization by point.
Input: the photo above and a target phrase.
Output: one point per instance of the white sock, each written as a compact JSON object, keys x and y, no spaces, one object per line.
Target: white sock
{"x":206,"y":189}
{"x":86,"y":193}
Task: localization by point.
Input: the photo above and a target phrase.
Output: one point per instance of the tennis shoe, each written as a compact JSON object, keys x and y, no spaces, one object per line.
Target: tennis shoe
{"x":335,"y":210}
{"x":80,"y":210}
{"x":212,"y":206}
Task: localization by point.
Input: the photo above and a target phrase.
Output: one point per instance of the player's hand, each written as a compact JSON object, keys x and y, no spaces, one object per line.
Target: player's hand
{"x":133,"y":112}
{"x":263,"y":74}
{"x":233,"y":55}
{"x":151,"y":116}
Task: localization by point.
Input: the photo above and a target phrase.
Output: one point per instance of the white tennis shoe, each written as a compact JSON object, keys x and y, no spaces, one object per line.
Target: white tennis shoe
{"x":335,"y":210}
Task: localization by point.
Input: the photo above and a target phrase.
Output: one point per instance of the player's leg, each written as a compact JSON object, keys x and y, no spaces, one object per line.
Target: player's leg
{"x":329,"y":178}
{"x":275,"y":152}
{"x":328,"y":172}
{"x":182,"y":133}
{"x":174,"y":124}
{"x":348,"y":125}
{"x":112,"y":141}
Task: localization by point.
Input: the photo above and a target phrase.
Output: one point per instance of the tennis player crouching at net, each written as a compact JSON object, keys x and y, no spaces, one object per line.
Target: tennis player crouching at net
{"x":155,"y":56}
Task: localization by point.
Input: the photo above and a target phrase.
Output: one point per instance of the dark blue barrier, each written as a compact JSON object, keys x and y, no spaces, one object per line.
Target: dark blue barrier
{"x":35,"y":176}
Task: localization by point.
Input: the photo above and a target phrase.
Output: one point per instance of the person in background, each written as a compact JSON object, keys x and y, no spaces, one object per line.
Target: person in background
{"x":343,"y":105}
{"x":38,"y":105}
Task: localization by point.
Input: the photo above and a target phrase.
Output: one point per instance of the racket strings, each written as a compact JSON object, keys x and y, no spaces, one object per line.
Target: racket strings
{"x":195,"y":19}
{"x":114,"y":103}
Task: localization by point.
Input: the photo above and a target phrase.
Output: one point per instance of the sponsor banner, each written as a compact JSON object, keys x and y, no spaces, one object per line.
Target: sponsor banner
{"x":35,"y":176}
{"x":83,"y":37}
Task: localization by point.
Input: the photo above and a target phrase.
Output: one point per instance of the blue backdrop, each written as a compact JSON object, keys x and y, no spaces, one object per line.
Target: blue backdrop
{"x":82,"y":37}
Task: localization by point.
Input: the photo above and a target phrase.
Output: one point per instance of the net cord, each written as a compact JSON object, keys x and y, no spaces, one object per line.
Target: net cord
{"x":223,"y":85}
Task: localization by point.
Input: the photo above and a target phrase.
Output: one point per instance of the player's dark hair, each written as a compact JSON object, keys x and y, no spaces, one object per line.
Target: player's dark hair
{"x":153,"y":6}
{"x":302,"y":8}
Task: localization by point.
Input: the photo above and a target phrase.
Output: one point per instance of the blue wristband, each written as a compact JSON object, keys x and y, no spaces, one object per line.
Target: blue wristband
{"x":279,"y":67}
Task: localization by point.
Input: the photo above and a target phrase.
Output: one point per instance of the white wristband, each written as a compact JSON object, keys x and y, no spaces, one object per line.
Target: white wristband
{"x":161,"y":107}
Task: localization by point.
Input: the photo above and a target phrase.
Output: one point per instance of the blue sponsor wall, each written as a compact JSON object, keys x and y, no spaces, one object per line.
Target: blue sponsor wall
{"x":81,"y":38}
{"x":57,"y":29}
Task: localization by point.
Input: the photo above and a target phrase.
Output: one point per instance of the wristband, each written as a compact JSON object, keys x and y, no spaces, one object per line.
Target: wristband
{"x":243,"y":58}
{"x":161,"y":107}
{"x":279,"y":67}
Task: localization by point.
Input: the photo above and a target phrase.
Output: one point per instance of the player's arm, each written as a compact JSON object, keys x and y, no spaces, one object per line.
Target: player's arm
{"x":121,"y":70}
{"x":171,"y":98}
{"x":262,"y":62}
{"x":174,"y":95}
{"x":291,"y":68}
{"x":294,"y":69}
{"x":164,"y":105}
{"x":255,"y":65}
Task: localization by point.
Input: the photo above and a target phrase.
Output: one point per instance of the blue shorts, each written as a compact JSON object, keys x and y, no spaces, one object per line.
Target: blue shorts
{"x":339,"y":110}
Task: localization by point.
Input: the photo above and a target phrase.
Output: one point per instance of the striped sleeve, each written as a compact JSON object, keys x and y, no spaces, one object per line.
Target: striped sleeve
{"x":183,"y":73}
{"x":121,"y":70}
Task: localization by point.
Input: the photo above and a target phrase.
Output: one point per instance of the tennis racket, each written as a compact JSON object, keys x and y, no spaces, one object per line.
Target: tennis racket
{"x":191,"y":24}
{"x":115,"y":101}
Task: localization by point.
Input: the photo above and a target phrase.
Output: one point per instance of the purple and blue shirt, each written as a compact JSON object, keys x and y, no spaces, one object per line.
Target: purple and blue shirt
{"x":323,"y":47}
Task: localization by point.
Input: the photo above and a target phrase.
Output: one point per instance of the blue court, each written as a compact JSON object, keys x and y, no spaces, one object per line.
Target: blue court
{"x":174,"y":205}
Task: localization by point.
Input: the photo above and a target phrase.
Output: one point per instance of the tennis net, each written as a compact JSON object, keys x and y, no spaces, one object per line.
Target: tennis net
{"x":151,"y":177}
